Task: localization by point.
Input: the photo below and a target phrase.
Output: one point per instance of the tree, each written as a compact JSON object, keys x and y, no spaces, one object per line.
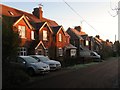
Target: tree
{"x":106,"y":51}
{"x":10,"y":41}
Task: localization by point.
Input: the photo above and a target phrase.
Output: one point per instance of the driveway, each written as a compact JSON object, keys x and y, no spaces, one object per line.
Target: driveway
{"x":98,"y":75}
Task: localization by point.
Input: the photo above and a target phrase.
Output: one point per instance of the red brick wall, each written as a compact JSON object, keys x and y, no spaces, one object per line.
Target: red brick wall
{"x":28,"y":32}
{"x":63,"y":42}
{"x":47,"y":43}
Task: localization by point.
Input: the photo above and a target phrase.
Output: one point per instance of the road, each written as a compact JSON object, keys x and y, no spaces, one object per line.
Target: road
{"x":102,"y":75}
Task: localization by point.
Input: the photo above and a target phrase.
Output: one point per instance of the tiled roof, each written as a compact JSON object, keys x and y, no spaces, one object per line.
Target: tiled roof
{"x":109,"y":44}
{"x":99,"y":40}
{"x":73,"y":33}
{"x":50,"y":22}
{"x":77,"y":32}
{"x":56,"y":29}
{"x":39,"y":25}
{"x":12,"y":12}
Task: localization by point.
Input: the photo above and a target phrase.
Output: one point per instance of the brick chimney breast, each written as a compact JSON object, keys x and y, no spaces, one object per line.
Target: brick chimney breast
{"x":38,"y":12}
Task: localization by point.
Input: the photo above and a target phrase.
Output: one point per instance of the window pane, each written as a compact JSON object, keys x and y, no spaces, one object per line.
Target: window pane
{"x":32,"y":35}
{"x":60,"y":52}
{"x":60,"y":37}
{"x":44,"y":35}
{"x":21,"y":31}
{"x":87,"y":43}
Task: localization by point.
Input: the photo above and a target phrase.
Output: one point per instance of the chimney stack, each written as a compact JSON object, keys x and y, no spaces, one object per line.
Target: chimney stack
{"x":78,"y":28}
{"x":38,"y":12}
{"x":97,"y":36}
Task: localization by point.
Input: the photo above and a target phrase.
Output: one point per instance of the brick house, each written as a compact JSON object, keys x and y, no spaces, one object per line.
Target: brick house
{"x":38,"y":35}
{"x":75,"y":39}
{"x":62,"y":44}
{"x":82,"y":41}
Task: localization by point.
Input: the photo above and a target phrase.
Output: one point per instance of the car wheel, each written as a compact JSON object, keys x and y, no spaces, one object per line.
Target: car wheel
{"x":31,"y":71}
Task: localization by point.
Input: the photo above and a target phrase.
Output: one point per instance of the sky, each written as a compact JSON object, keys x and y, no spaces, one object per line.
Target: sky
{"x":94,"y":16}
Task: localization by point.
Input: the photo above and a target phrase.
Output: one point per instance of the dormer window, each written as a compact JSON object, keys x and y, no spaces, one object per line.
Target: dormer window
{"x":60,"y":37}
{"x":44,"y":35}
{"x":11,"y":13}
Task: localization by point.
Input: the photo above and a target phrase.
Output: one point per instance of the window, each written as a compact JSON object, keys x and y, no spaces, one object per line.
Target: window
{"x":60,"y":37}
{"x":46,"y":52}
{"x":22,"y":51}
{"x":60,"y":52}
{"x":32,"y":35}
{"x":11,"y":13}
{"x":44,"y":35}
{"x":73,"y":52}
{"x":21,"y":30}
{"x":87,"y":42}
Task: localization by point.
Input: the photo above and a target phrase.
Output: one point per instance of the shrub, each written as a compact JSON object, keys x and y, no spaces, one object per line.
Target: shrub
{"x":13,"y":76}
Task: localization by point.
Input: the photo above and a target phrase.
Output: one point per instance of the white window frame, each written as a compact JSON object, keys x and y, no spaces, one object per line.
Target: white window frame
{"x":22,"y":31}
{"x":60,"y":37}
{"x":87,"y":42}
{"x":60,"y":52}
{"x":32,"y":35}
{"x":22,"y":51}
{"x":44,"y":35}
{"x":73,"y":52}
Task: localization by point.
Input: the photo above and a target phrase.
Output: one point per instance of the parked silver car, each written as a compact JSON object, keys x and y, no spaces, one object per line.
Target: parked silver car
{"x":31,"y":65}
{"x":54,"y":65}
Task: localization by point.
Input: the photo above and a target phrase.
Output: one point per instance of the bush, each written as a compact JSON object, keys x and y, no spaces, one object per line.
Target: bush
{"x":73,"y":61}
{"x":13,"y":76}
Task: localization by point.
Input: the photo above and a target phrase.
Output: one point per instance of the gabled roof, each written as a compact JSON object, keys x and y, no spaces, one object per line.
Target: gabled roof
{"x":56,"y":29}
{"x":77,"y":32}
{"x":40,"y":25}
{"x":23,"y":17}
{"x":40,"y":43}
{"x":73,"y":34}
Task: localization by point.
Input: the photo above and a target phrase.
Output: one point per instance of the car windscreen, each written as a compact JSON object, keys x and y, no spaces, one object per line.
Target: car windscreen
{"x":30,"y":60}
{"x":43,"y":58}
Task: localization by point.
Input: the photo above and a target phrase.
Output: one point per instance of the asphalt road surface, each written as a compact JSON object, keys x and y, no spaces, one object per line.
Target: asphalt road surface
{"x":102,"y":75}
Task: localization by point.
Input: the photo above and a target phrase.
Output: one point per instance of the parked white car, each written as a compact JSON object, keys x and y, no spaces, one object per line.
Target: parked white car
{"x":32,"y":66}
{"x":54,"y":65}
